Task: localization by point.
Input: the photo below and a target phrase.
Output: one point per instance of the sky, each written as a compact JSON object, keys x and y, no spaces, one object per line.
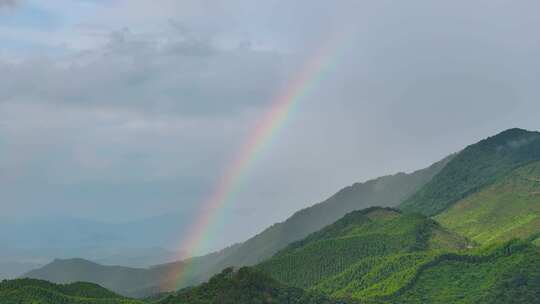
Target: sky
{"x":121,"y":110}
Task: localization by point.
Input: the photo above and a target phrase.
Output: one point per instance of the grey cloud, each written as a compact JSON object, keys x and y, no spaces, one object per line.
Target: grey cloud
{"x":183,"y":75}
{"x":8,"y":3}
{"x":167,"y":111}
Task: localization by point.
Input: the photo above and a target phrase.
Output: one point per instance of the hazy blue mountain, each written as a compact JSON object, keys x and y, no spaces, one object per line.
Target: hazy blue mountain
{"x":139,"y":243}
{"x":128,"y":281}
{"x":14,"y":269}
{"x":124,"y":280}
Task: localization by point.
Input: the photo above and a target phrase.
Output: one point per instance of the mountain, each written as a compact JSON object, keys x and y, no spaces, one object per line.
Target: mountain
{"x":359,"y":235}
{"x":509,"y":208}
{"x":124,"y":280}
{"x":29,"y":291}
{"x":384,"y":191}
{"x":337,"y":251}
{"x":477,"y":166}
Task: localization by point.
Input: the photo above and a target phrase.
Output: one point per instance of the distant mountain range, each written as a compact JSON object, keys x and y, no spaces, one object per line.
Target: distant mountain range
{"x":139,"y":243}
{"x":467,"y":230}
{"x":13,"y":269}
{"x":128,"y":281}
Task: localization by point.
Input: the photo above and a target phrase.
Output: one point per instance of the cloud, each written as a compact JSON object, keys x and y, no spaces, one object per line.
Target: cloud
{"x":159,"y":97}
{"x":8,"y":3}
{"x":181,"y":74}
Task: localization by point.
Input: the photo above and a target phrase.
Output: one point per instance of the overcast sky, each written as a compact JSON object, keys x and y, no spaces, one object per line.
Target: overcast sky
{"x":123,"y":109}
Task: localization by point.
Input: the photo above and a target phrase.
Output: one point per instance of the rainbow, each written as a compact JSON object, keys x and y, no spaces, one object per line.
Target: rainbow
{"x":267,"y":127}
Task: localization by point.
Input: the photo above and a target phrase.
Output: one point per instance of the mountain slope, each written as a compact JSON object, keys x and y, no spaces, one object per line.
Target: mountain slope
{"x":506,"y":274}
{"x":246,"y":285}
{"x":510,"y":208}
{"x":386,"y":191}
{"x":380,"y":255}
{"x":475,"y":167}
{"x":370,"y":233}
{"x":29,"y":291}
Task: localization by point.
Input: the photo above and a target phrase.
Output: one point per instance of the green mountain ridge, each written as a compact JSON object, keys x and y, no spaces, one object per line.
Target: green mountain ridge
{"x":475,"y":167}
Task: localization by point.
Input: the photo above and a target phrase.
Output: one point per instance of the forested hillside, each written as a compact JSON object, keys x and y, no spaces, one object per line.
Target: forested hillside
{"x":510,"y":208}
{"x":30,"y":291}
{"x":509,"y":273}
{"x":249,"y":286}
{"x":505,"y":273}
{"x":474,"y":276}
{"x":475,"y":167}
{"x":369,"y":233}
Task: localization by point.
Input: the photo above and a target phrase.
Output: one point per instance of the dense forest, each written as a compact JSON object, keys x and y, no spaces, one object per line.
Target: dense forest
{"x":31,"y":291}
{"x":505,"y":273}
{"x":247,"y":285}
{"x":374,"y":232}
